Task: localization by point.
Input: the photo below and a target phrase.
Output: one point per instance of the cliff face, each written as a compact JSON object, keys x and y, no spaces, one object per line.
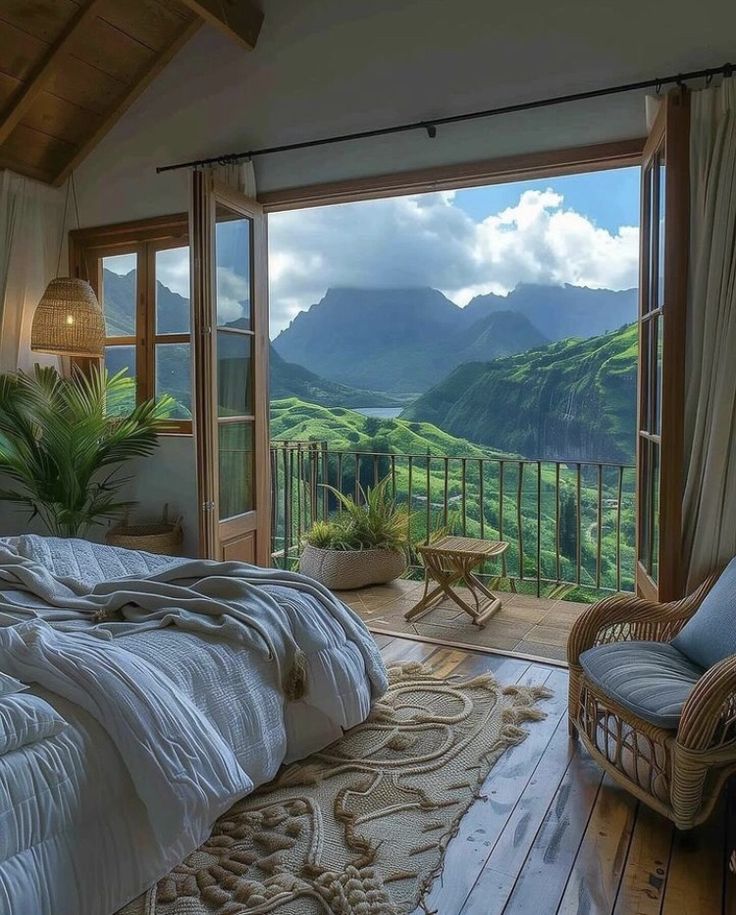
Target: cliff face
{"x":574,"y":400}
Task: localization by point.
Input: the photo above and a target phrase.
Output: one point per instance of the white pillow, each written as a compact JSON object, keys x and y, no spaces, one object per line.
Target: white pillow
{"x":9,"y":685}
{"x":24,"y":719}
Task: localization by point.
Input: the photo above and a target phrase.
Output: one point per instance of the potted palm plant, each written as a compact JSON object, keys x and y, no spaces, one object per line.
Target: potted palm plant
{"x":64,"y":440}
{"x":365,"y":544}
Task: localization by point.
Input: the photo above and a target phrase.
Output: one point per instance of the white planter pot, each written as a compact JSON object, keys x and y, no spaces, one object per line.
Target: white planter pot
{"x":343,"y":570}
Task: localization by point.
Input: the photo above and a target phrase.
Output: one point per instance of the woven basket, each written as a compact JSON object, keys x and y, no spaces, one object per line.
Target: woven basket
{"x":162,"y":536}
{"x":344,"y":570}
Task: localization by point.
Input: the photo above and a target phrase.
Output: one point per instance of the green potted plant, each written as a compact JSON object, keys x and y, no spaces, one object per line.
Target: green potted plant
{"x":63,"y":441}
{"x":364,"y":544}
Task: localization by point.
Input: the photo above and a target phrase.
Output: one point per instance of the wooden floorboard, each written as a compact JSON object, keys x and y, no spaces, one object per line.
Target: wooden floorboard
{"x":549,"y":835}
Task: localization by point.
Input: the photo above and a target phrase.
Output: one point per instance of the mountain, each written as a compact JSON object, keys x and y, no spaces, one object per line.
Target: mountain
{"x":501,"y":333}
{"x":573,"y":400}
{"x":119,"y":295}
{"x":561,"y":311}
{"x":172,"y":316}
{"x":397,"y":340}
{"x":291,"y":380}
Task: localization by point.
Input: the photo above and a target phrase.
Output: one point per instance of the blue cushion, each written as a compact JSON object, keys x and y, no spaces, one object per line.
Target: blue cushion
{"x":652,"y":679}
{"x":710,"y":636}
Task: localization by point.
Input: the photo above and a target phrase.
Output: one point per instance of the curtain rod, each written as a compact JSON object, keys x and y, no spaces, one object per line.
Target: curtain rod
{"x":431,"y":125}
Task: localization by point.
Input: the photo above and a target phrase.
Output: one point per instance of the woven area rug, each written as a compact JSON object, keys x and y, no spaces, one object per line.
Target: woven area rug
{"x":360,"y":828}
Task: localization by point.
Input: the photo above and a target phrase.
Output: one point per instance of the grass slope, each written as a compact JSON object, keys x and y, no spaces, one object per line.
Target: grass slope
{"x":574,"y":400}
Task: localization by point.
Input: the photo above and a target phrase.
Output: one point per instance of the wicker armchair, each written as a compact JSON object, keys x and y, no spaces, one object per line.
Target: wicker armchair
{"x":679,"y":773}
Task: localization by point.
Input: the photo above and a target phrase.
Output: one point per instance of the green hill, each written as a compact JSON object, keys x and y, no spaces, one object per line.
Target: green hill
{"x":294,"y":420}
{"x":573,"y":400}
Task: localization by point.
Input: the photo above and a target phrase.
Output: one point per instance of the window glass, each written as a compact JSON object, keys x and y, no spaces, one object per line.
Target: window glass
{"x":119,"y":291}
{"x":173,"y":313}
{"x":117,"y":358}
{"x":174,"y":376}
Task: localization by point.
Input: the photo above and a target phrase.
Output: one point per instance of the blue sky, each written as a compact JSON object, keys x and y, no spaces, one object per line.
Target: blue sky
{"x":609,"y":198}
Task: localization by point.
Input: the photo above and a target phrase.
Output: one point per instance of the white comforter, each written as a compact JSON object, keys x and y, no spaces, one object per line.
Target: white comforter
{"x":89,"y":819}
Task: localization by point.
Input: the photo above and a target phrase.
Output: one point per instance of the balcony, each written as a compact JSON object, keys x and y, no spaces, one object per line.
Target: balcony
{"x":570,"y":527}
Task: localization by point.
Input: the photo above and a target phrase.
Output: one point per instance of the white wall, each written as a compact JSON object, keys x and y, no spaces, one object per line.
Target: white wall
{"x":336,"y":66}
{"x":168,"y":476}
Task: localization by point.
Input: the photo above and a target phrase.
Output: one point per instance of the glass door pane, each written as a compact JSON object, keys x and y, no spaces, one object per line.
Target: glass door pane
{"x":650,"y":391}
{"x":234,"y":361}
{"x":235,"y":446}
{"x":234,"y":382}
{"x":233,"y":255}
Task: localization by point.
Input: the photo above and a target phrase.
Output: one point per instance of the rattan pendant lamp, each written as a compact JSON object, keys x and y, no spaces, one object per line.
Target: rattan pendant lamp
{"x":68,"y":320}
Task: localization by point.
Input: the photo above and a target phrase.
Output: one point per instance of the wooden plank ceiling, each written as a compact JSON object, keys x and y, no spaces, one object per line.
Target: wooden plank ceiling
{"x":70,"y":68}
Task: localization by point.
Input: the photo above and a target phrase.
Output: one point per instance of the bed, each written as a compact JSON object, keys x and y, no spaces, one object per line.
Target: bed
{"x":84,"y":824}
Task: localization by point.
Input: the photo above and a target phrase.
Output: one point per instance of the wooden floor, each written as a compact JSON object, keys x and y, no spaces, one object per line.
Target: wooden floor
{"x":550,"y":834}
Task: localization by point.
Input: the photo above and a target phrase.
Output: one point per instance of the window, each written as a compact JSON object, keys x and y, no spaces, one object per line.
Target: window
{"x":140,"y":272}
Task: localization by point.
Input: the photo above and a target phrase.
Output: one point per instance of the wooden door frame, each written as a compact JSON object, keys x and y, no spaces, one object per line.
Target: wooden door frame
{"x":671,"y":131}
{"x":206,"y":194}
{"x":502,"y":170}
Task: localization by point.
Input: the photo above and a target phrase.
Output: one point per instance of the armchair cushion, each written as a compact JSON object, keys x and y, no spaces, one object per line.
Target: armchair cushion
{"x":651,"y":679}
{"x":710,"y":635}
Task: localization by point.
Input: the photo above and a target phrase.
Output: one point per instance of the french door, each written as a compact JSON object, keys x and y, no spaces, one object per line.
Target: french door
{"x":230,"y":308}
{"x":662,"y":309}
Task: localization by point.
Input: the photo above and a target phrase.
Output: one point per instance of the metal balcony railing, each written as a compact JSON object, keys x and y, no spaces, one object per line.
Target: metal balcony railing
{"x":570,"y":524}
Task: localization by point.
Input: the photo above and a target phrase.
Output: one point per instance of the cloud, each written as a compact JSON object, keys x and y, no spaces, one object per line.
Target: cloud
{"x":427,"y":240}
{"x":233,"y":295}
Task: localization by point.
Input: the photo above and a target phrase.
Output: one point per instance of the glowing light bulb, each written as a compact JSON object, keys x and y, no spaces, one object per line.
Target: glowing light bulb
{"x":70,"y":319}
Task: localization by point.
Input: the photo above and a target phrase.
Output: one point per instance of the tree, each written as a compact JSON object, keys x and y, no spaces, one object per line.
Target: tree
{"x":372,"y":426}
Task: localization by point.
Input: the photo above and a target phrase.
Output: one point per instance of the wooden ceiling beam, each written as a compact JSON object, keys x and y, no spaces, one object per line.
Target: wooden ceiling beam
{"x":186,"y":32}
{"x":239,"y":19}
{"x":22,"y":100}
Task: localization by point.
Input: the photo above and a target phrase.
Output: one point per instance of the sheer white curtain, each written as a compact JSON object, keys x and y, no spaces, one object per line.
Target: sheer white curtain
{"x":710,"y":409}
{"x":238,"y":175}
{"x":31,"y":227}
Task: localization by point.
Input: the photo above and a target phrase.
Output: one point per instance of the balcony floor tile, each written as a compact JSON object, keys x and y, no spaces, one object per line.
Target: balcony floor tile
{"x":525,"y":624}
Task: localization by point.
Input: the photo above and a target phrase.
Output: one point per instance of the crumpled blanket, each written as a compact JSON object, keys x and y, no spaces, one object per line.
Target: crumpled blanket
{"x":228,"y":599}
